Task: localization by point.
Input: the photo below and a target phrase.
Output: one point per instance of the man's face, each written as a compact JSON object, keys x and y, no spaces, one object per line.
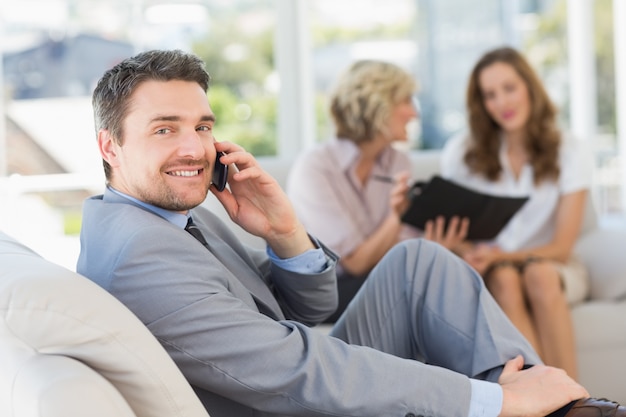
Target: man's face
{"x":168,"y":149}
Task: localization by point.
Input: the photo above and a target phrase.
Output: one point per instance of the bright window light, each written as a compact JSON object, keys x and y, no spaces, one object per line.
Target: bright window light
{"x":176,"y":14}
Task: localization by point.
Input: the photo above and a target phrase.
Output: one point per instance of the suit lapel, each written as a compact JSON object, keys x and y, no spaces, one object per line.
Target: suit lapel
{"x":241,"y":271}
{"x":230,"y":259}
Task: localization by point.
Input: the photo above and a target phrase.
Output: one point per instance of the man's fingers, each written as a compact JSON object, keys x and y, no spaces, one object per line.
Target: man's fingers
{"x":514,"y":365}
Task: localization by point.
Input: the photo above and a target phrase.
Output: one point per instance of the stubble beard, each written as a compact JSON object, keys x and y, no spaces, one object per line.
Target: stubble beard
{"x":165,"y":197}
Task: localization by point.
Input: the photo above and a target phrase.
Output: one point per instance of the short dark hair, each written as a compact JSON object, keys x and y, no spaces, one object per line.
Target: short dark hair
{"x":110,"y":98}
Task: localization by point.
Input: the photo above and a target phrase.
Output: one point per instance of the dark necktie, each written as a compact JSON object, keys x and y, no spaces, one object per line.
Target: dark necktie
{"x":263,"y":307}
{"x":195,"y":232}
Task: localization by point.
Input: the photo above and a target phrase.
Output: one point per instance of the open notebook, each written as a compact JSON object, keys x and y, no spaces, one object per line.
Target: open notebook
{"x":488,"y":214}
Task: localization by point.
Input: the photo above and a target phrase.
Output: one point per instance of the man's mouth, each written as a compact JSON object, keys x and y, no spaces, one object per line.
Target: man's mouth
{"x":185,"y":173}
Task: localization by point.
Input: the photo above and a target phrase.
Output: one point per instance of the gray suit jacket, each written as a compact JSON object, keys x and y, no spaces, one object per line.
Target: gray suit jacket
{"x":233,"y":322}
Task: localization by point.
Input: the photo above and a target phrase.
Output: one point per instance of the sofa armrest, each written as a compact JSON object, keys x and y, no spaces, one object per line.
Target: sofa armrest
{"x":48,"y":310}
{"x":59,"y":386}
{"x":602,"y":252}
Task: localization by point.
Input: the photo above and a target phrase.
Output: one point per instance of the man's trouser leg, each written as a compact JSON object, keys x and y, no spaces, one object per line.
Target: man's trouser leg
{"x":423,"y":302}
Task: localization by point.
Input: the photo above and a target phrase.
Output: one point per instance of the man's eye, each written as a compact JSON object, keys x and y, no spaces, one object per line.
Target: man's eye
{"x":162,"y":131}
{"x":204,"y":128}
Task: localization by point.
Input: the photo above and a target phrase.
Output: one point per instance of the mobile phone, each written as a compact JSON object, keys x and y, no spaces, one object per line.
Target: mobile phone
{"x":220,"y":173}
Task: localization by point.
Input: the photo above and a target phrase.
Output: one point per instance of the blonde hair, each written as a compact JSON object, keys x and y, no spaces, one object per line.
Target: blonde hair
{"x":543,"y":137}
{"x":364,"y":96}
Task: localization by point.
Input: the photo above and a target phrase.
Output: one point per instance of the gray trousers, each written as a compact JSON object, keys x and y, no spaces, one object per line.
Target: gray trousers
{"x":423,"y":302}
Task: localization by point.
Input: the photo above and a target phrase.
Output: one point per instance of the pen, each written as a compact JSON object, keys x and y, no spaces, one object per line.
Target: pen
{"x":383,"y":178}
{"x":413,"y":190}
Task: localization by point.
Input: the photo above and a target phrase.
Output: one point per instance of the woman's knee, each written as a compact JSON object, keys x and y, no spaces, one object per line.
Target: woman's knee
{"x":503,"y":277}
{"x":542,"y":282}
{"x":504,"y":283}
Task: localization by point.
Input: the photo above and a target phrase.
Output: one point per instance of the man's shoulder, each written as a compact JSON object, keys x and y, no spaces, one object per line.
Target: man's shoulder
{"x":111,"y":232}
{"x":110,"y":202}
{"x":114,"y":220}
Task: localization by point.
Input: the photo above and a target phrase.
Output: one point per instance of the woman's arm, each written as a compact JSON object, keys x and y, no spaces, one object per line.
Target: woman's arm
{"x":569,"y":217}
{"x":371,"y":250}
{"x":366,"y":255}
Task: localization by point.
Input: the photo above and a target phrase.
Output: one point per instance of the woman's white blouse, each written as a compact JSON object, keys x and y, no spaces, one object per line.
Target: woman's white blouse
{"x":535,"y":223}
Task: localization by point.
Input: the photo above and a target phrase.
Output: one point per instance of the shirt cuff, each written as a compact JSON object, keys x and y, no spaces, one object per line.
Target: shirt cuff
{"x":312,"y":261}
{"x":486,"y":399}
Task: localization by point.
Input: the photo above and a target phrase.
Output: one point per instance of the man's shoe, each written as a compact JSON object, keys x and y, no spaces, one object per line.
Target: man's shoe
{"x":594,"y":407}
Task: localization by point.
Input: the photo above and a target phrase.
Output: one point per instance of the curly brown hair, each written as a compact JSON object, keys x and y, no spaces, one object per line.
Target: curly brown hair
{"x":543,"y":136}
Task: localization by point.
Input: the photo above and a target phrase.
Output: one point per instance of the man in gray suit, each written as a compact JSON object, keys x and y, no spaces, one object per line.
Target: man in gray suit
{"x":423,"y":337}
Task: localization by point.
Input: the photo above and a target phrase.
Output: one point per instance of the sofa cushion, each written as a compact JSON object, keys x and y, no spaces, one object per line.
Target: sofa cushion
{"x":47,"y":310}
{"x":602,"y":252}
{"x":600,"y":331}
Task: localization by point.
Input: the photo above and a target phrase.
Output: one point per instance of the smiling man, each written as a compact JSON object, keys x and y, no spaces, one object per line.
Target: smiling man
{"x":422,"y":337}
{"x":168,"y":155}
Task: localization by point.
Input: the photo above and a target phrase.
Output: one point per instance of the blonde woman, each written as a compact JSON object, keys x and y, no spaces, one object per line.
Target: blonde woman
{"x":341,"y":189}
{"x":514,"y":147}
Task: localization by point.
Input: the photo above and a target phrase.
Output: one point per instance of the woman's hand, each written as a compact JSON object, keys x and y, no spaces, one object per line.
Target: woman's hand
{"x":451,"y":236}
{"x":399,"y":194}
{"x":482,"y":256}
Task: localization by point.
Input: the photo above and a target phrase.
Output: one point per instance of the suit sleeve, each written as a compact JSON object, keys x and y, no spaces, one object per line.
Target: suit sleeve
{"x":308,"y":298}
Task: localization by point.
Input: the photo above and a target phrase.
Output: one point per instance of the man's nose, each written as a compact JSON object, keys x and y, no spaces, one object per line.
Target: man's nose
{"x":191,"y":145}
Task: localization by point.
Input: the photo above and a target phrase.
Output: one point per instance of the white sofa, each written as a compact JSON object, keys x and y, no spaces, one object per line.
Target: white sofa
{"x":599,"y":321}
{"x":70,"y":349}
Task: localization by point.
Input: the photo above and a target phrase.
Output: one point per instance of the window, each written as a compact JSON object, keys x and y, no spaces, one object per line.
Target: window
{"x":342,"y":33}
{"x":273,"y":63}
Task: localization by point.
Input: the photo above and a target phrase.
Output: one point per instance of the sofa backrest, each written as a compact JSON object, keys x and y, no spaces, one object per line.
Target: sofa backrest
{"x":68,"y":348}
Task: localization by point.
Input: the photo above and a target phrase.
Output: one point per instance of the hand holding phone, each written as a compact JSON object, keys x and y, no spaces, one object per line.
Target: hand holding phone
{"x":220,"y":173}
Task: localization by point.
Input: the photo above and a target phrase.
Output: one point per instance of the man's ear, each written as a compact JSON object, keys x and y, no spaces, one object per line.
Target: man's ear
{"x":108,"y":147}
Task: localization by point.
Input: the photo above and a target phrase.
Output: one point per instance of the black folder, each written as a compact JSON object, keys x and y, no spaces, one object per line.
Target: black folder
{"x":488,"y":214}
